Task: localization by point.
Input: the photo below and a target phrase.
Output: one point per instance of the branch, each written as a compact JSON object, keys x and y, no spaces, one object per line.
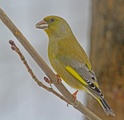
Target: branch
{"x":76,"y":104}
{"x":16,"y":49}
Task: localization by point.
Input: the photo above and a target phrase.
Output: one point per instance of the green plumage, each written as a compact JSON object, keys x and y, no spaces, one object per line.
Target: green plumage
{"x":69,"y":60}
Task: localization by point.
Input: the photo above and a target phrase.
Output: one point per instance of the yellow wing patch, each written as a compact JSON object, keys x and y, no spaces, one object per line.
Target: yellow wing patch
{"x":96,"y":84}
{"x":75,"y":74}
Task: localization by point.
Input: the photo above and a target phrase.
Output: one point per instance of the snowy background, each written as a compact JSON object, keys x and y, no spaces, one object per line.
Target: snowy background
{"x":20,"y":97}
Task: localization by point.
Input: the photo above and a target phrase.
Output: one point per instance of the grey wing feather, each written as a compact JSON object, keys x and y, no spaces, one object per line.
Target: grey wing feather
{"x":84,"y":72}
{"x":90,"y":78}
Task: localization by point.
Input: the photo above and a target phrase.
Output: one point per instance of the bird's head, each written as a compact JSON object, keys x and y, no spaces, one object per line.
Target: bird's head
{"x":54,"y":25}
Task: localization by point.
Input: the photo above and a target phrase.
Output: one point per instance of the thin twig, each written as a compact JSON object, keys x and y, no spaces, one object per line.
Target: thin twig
{"x":16,"y":49}
{"x":76,"y":104}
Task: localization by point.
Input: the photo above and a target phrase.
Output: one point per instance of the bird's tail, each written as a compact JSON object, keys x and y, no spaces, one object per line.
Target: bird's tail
{"x":105,"y":107}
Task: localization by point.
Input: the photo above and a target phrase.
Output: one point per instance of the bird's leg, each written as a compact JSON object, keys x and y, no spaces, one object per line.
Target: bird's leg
{"x":48,"y":81}
{"x":74,"y":95}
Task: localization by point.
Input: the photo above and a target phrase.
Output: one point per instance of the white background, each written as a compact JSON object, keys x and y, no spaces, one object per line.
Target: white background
{"x":20,"y":97}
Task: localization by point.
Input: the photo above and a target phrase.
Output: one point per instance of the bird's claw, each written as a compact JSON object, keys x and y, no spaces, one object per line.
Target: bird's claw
{"x":58,"y":78}
{"x":74,"y":95}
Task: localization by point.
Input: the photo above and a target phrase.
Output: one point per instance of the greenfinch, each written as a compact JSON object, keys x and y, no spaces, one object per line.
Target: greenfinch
{"x":69,"y":59}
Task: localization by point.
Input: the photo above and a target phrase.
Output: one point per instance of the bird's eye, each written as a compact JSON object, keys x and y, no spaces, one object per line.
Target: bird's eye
{"x":52,"y":20}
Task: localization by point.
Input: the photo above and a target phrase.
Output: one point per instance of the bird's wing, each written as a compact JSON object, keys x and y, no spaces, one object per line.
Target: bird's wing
{"x":82,"y":73}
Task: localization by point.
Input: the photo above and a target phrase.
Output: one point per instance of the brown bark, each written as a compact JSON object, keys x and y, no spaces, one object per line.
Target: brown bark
{"x":107,"y":55}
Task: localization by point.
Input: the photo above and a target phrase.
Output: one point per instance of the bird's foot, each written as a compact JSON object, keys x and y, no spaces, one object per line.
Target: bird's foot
{"x":74,"y":95}
{"x":58,"y":78}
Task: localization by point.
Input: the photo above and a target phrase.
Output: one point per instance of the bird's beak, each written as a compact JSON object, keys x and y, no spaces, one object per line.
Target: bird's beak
{"x":42,"y":25}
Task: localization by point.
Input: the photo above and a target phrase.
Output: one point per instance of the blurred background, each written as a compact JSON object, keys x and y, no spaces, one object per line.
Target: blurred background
{"x":20,"y":97}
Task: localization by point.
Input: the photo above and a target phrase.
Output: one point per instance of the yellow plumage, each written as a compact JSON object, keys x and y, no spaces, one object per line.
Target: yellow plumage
{"x":70,"y":60}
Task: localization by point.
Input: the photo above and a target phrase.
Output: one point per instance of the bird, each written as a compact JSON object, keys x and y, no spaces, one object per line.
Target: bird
{"x":69,"y":59}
